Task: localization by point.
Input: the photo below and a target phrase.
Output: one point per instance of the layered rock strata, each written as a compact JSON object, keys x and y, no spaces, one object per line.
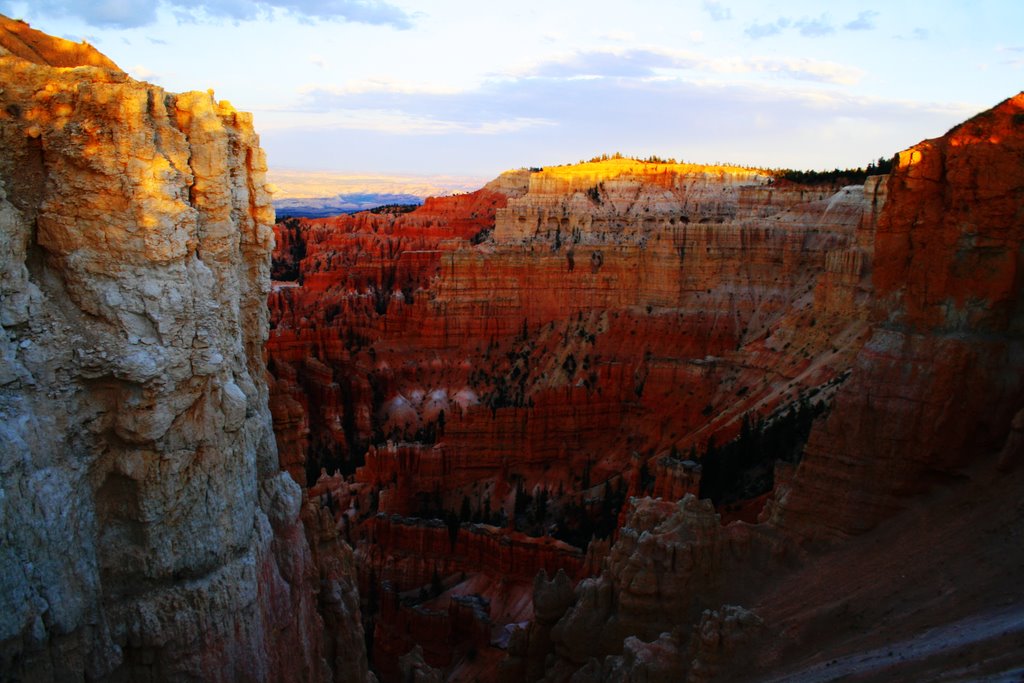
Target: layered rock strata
{"x":561,"y":335}
{"x":617,"y":321}
{"x":934,"y":397}
{"x":941,"y":378}
{"x":148,"y":531}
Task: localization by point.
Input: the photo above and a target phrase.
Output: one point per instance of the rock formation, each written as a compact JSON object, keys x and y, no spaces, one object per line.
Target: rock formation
{"x":945,"y":317}
{"x":942,"y":375}
{"x":148,"y":531}
{"x":698,"y":398}
{"x":618,"y":316}
{"x":530,"y":355}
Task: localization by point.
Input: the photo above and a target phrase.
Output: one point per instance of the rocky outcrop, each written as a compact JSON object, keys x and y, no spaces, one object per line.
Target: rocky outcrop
{"x":414,"y":669}
{"x":938,"y":383}
{"x":20,"y":40}
{"x":148,"y":532}
{"x":482,"y":573}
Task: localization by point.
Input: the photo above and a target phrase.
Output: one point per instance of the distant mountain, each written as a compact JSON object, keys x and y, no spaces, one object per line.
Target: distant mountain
{"x":319,"y":207}
{"x":322,"y":193}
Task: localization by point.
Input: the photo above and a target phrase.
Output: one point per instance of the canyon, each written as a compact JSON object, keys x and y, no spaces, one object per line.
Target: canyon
{"x":538,"y":356}
{"x":618,"y":420}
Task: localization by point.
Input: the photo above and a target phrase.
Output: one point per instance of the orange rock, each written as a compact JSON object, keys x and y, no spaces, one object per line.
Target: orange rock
{"x":940,"y":379}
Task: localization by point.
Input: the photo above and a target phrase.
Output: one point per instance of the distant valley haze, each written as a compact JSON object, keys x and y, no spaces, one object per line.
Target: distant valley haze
{"x":326,"y":193}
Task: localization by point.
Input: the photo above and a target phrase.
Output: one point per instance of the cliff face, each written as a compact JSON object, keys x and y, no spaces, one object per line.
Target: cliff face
{"x":148,"y":530}
{"x":940,"y":380}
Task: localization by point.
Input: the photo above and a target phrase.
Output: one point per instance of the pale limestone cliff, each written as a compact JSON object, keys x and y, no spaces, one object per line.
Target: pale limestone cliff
{"x":147,"y":531}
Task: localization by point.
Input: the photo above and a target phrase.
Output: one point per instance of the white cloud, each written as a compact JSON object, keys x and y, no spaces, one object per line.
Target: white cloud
{"x":141,"y":73}
{"x":393,"y":122}
{"x":618,"y":36}
{"x":513,"y":123}
{"x":647,"y":62}
{"x":809,"y":70}
{"x":382,"y":86}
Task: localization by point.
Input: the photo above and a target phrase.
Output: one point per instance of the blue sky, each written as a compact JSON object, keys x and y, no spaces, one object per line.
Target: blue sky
{"x":471,"y":87}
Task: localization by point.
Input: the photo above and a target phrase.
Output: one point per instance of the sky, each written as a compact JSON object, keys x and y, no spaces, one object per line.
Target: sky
{"x":472,"y":88}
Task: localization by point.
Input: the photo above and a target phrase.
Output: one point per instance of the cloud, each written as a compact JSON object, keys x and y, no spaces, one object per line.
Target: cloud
{"x":142,"y":73}
{"x":540,"y":120}
{"x":101,"y":13}
{"x":636,"y":63}
{"x":400,"y":123}
{"x":717,"y":11}
{"x":134,"y":13}
{"x":814,"y":28}
{"x":764,"y":30}
{"x":652,"y":62}
{"x":619,"y":36}
{"x":379,"y":86}
{"x":359,"y":11}
{"x":809,"y":70}
{"x":810,"y":27}
{"x":865,"y":21}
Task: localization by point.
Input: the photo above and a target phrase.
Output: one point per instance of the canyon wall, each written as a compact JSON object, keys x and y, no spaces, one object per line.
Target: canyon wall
{"x":579,"y":424}
{"x":942,"y":375}
{"x":148,"y":531}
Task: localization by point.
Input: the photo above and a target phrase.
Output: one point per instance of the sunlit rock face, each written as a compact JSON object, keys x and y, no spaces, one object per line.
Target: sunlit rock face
{"x":938,"y":383}
{"x":148,"y":532}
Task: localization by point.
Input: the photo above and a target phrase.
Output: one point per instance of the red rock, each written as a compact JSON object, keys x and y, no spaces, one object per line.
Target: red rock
{"x":552,"y":355}
{"x":941,"y":377}
{"x":935,"y":390}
